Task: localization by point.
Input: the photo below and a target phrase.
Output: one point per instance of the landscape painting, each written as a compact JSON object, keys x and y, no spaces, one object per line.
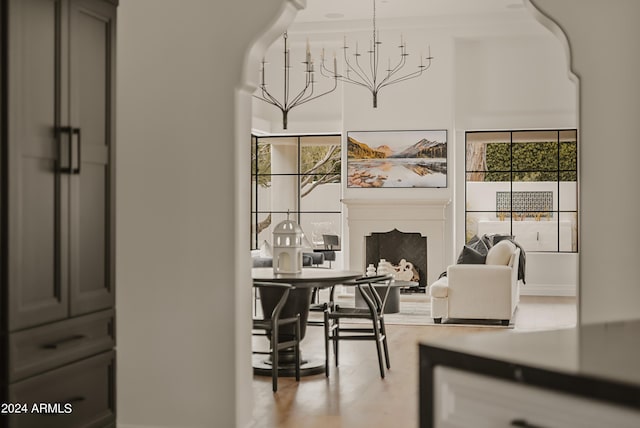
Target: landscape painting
{"x":397,"y":159}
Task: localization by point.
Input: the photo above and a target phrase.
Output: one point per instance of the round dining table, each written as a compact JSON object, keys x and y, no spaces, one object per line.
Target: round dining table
{"x":298,"y":302}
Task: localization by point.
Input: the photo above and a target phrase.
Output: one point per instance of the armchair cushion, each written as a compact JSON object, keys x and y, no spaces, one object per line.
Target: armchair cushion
{"x":440,"y":288}
{"x":500,"y":254}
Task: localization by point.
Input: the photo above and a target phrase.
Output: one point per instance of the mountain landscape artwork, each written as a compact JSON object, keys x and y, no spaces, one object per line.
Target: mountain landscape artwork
{"x":397,"y":159}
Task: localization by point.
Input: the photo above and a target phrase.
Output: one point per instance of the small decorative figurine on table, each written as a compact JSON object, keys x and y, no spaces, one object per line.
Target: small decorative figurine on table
{"x":287,"y":247}
{"x":371,"y":270}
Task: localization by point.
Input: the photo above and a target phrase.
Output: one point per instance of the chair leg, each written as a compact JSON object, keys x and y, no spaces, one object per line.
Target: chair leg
{"x":383,"y":330}
{"x":297,"y":348}
{"x":376,"y":333}
{"x":336,"y":340}
{"x":274,"y":357}
{"x":326,"y":342}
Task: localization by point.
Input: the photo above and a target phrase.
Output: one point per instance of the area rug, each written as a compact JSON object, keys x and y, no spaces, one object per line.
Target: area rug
{"x":417,"y":311}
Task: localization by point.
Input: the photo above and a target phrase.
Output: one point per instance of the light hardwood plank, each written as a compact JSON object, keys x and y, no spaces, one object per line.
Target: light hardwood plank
{"x":354,"y":396}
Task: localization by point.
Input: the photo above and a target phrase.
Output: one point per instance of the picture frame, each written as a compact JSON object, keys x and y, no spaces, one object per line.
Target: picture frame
{"x":397,"y":159}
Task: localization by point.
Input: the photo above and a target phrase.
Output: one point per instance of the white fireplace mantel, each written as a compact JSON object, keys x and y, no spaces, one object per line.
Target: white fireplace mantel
{"x":426,"y":216}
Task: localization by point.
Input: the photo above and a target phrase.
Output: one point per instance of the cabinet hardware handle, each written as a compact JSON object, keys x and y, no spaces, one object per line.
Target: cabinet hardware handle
{"x":76,"y":131}
{"x":75,"y":400}
{"x":65,"y":130}
{"x":57,"y":344}
{"x":522,"y":423}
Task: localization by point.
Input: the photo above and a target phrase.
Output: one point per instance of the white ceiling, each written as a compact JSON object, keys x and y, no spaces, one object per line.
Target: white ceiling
{"x":463,"y":18}
{"x":351,"y":10}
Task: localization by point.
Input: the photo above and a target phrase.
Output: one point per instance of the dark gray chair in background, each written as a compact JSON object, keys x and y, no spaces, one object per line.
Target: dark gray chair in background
{"x":331,"y":245}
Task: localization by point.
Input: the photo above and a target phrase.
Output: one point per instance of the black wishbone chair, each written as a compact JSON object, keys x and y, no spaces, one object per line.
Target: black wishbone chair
{"x":325,"y":308}
{"x":374,"y":312}
{"x":270,"y":324}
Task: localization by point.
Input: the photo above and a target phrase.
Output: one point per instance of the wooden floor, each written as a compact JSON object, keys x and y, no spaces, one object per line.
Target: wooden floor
{"x":354,"y":395}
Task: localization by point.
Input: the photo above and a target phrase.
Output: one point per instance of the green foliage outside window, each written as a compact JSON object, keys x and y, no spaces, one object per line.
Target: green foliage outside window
{"x":321,"y":160}
{"x":531,"y":161}
{"x":263,"y":164}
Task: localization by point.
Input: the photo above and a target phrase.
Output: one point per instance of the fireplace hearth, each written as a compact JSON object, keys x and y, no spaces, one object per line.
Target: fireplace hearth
{"x":395,"y":246}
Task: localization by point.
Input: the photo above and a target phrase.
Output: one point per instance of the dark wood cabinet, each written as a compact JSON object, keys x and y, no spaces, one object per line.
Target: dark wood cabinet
{"x":60,"y":169}
{"x":57,"y":188}
{"x":78,"y":395}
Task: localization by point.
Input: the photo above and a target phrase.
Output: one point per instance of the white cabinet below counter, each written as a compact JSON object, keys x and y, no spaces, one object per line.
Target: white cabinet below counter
{"x":464,"y":399}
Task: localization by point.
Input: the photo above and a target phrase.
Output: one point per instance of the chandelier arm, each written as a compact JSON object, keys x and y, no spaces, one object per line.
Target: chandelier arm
{"x":401,"y":63}
{"x":390,"y":73}
{"x":366,"y":78}
{"x":353,"y":82}
{"x":373,"y":66}
{"x":269,"y":98}
{"x":406,"y":77}
{"x":323,"y":69}
{"x":375,"y":55}
{"x":301,"y":97}
{"x":287,"y":82}
{"x":301,"y":94}
{"x":348,"y":66}
{"x":417,"y":73}
{"x":335,"y":85}
{"x":274,"y":100}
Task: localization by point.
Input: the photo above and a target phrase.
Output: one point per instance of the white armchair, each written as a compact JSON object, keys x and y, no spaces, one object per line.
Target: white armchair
{"x":479,"y":291}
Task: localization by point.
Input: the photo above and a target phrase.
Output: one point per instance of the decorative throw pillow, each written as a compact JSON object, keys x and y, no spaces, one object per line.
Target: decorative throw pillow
{"x":500,"y":254}
{"x":488,"y":241}
{"x":480,"y":245}
{"x":470,"y":256}
{"x":497,"y":238}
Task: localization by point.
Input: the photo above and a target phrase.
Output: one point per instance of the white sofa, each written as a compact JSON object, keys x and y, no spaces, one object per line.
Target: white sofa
{"x":489,"y":291}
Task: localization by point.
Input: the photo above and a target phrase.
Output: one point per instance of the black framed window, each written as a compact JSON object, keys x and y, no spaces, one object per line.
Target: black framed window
{"x":524,"y":184}
{"x":299,"y":175}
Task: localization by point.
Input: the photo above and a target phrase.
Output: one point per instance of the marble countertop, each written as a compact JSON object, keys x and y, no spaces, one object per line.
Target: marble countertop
{"x":601,"y":354}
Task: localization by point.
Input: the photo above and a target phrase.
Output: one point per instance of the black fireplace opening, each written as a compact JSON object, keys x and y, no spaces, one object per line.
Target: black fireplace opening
{"x":394,"y":246}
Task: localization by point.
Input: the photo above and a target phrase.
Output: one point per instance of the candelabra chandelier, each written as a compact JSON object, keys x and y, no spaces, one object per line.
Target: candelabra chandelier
{"x":305,"y":95}
{"x":371,"y":79}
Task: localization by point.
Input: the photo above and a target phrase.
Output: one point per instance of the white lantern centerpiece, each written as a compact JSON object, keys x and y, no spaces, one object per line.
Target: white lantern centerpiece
{"x":287,"y":247}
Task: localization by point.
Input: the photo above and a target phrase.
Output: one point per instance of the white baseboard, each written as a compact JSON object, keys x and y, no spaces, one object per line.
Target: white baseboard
{"x":548,"y":290}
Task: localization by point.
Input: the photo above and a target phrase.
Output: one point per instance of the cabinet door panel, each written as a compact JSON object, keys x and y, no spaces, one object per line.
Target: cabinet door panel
{"x":92,"y":239}
{"x":80,"y":395}
{"x":92,"y":71}
{"x":37,"y":194}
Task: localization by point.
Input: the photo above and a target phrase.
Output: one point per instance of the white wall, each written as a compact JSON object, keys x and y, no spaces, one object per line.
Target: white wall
{"x":184,"y":296}
{"x":603,"y":37}
{"x":516,"y":82}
